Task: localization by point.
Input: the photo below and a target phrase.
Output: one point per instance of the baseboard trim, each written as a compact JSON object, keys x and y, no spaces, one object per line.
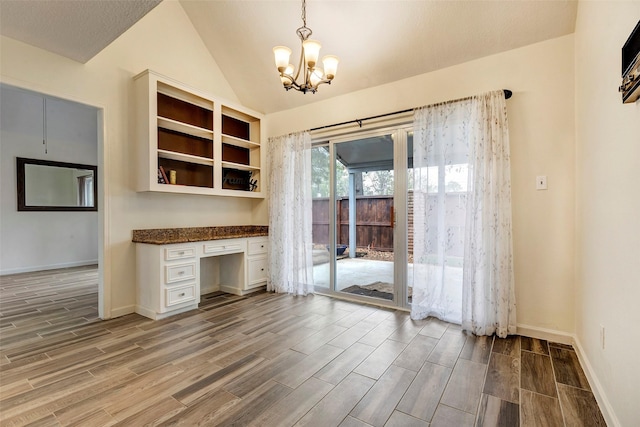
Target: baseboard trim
{"x":545,"y":334}
{"x":159,"y":316}
{"x":48,"y":267}
{"x":596,"y":387}
{"x":594,"y":383}
{"x":122,"y":311}
{"x":209,"y":289}
{"x":240,"y":292}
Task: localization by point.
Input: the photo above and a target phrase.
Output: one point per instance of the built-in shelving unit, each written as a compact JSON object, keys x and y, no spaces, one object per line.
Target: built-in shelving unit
{"x":241,"y":162}
{"x":210,"y":146}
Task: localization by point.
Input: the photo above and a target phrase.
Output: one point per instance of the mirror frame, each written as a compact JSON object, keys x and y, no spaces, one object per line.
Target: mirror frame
{"x":22,"y":206}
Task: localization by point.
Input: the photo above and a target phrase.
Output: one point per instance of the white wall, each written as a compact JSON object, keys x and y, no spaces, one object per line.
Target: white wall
{"x":608,"y":207}
{"x":164,"y":41}
{"x":31,"y":241}
{"x":541,"y":120}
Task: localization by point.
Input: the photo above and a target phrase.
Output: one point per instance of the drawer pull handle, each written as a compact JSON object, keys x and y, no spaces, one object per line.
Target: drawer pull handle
{"x":181,"y":295}
{"x":181,"y":272}
{"x":181,"y":253}
{"x":262,"y":246}
{"x":262,"y":269}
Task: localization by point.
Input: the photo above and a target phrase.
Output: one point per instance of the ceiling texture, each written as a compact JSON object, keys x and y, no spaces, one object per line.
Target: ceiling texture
{"x":78,"y":30}
{"x":377,"y":42}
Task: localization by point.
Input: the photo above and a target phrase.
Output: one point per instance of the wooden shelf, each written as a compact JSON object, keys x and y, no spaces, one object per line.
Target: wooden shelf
{"x":171,"y":124}
{"x":239,"y":166}
{"x":232,"y":140}
{"x":184,"y":111}
{"x":188,"y":173}
{"x":184,"y":95}
{"x":170,"y":140}
{"x":213,"y":146}
{"x":184,"y":157}
{"x":236,"y":178}
{"x":236,"y":127}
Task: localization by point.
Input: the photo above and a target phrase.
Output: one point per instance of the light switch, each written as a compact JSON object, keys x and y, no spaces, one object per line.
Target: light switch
{"x":541,"y":182}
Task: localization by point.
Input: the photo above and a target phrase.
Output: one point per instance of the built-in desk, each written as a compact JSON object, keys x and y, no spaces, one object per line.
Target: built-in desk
{"x":175,"y":266}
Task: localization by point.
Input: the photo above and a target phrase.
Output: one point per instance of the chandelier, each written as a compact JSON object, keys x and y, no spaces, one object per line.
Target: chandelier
{"x":312,"y":75}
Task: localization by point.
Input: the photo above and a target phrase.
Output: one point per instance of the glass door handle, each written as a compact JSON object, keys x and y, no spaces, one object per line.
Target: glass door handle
{"x":392,"y":216}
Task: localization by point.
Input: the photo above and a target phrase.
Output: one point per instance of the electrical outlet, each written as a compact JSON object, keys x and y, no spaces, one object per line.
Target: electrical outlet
{"x":541,"y":182}
{"x":602,"y":337}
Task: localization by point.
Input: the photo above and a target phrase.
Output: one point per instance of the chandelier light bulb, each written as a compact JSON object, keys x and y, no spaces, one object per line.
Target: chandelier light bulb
{"x":316,"y":76}
{"x":282,"y":54}
{"x":330,"y":63}
{"x":311,"y":52}
{"x":286,"y":76}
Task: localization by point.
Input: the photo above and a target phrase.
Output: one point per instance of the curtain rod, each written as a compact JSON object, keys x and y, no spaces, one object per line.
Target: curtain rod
{"x":507,"y":95}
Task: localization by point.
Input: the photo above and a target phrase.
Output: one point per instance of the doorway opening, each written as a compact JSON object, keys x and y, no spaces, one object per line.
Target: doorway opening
{"x":61,"y":248}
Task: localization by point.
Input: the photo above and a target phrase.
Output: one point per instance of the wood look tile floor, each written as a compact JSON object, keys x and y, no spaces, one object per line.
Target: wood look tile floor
{"x":268,"y":360}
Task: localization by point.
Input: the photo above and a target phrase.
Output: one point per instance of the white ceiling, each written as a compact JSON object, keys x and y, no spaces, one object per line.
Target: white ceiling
{"x":377,"y":41}
{"x":72,"y":28}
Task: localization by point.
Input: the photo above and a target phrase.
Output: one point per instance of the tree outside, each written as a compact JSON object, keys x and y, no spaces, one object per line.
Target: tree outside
{"x":378,"y":183}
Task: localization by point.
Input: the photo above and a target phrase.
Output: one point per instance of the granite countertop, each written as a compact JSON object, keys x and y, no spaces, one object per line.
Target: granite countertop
{"x":164,"y":236}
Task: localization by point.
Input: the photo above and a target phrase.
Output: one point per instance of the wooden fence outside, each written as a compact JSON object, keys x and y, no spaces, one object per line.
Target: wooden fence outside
{"x":374,"y":228}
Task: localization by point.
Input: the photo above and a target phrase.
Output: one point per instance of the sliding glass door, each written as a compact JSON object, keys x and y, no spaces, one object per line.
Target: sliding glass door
{"x":359,"y":188}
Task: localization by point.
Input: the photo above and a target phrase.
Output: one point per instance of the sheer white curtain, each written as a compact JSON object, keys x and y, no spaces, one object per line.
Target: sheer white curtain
{"x":290,"y":215}
{"x":463,"y":266}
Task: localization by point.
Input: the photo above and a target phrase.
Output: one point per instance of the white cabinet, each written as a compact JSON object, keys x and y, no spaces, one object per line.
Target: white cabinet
{"x":257,"y":271}
{"x":180,"y":272}
{"x":180,"y":294}
{"x":168,"y":280}
{"x":257,"y":245}
{"x":210,"y":146}
{"x":222,"y":247}
{"x":170,"y":277}
{"x":180,"y":252}
{"x":256,"y":262}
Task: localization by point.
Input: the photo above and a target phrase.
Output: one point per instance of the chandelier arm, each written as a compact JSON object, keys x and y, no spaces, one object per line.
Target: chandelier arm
{"x":300,"y":63}
{"x":295,"y":85}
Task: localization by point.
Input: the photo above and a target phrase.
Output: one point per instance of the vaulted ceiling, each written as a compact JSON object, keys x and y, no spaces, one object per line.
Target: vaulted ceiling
{"x":377,"y":41}
{"x":75,"y":29}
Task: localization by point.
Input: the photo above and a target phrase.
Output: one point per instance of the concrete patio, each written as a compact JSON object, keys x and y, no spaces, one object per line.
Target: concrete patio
{"x":354,"y":271}
{"x":363,"y":272}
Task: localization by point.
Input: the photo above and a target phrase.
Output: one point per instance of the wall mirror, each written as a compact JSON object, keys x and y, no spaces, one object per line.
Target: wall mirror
{"x":45,"y":185}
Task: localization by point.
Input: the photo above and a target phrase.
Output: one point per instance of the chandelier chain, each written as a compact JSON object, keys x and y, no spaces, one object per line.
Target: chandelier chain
{"x":304,"y":13}
{"x":304,"y":32}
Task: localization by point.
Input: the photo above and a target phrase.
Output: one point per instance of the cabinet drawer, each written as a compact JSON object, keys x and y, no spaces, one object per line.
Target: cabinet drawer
{"x":171,"y":254}
{"x":180,"y":294}
{"x":257,"y":271}
{"x":257,"y":247}
{"x":225,"y":247}
{"x":177,"y":273}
